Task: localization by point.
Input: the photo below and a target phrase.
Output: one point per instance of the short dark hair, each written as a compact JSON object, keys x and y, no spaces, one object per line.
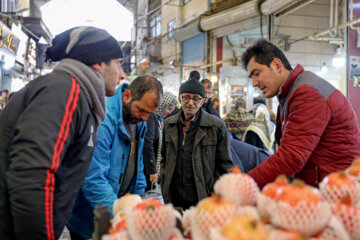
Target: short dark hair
{"x":142,"y":84}
{"x":206,"y":81}
{"x":5,"y":90}
{"x":264,"y":52}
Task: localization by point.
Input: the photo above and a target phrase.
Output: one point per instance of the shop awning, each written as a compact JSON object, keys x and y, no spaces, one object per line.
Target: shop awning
{"x":229,"y":16}
{"x":36,"y":28}
{"x":187,"y":32}
{"x":237,"y":27}
{"x":235,"y":19}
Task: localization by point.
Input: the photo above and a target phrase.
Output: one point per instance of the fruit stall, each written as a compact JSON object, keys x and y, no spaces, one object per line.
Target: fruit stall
{"x":239,"y":210}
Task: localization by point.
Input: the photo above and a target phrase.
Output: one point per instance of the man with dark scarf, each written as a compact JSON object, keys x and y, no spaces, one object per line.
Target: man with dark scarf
{"x":48,"y":133}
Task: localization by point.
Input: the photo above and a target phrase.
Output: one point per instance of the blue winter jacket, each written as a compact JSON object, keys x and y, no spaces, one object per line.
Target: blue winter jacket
{"x":107,"y":167}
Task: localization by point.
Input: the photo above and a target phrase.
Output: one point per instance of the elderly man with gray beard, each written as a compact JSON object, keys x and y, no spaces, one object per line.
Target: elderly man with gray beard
{"x":195,"y":149}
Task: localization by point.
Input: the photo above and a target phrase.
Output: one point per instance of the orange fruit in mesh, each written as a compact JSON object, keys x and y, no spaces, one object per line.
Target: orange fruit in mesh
{"x":297,"y":192}
{"x":244,"y":228}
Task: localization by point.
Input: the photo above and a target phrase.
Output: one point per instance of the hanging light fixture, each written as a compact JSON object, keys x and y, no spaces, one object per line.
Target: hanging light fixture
{"x":213,"y":78}
{"x":323,"y":69}
{"x":338,"y":60}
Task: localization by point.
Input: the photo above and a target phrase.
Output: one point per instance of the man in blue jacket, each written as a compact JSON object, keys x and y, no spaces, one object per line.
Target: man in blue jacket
{"x":117,"y":164}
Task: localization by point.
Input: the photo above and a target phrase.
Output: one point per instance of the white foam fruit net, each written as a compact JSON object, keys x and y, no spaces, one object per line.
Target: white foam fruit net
{"x":335,"y":194}
{"x":357,"y":177}
{"x":127,"y":201}
{"x":350,"y":218}
{"x":241,"y":189}
{"x":264,"y":203}
{"x":186,"y":218}
{"x":248,"y":211}
{"x":176,"y":235}
{"x":116,"y":220}
{"x":202,"y":221}
{"x":215,"y":232}
{"x":121,"y":235}
{"x":335,"y":230}
{"x":151,"y":224}
{"x":276,"y":234}
{"x":304,"y":218}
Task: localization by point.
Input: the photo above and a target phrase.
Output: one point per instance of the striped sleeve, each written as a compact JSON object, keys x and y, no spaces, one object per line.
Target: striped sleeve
{"x":43,"y":133}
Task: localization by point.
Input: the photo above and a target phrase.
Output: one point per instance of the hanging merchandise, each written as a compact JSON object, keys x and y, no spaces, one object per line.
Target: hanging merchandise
{"x":143,"y":66}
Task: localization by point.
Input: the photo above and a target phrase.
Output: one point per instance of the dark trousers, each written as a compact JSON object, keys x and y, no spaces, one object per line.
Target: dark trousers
{"x":180,"y":202}
{"x":74,"y":236}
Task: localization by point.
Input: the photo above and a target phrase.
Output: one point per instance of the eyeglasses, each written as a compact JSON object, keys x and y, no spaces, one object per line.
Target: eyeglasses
{"x":187,"y":98}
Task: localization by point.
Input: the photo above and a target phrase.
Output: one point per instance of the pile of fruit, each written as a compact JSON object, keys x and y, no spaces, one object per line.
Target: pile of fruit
{"x":238,"y":210}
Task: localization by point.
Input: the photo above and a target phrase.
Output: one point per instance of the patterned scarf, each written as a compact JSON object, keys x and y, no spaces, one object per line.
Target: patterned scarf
{"x":262,"y":126}
{"x":167,"y":100}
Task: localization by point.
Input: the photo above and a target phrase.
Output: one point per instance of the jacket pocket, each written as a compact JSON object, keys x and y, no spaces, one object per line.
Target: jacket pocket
{"x":209,"y":147}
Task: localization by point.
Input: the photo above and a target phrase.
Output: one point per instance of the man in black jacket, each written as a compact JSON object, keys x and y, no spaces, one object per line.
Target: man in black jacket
{"x":48,"y":132}
{"x":195,"y":150}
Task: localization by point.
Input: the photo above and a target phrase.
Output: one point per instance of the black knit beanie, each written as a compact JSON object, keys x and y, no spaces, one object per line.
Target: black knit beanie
{"x":88,"y":45}
{"x":192,"y":85}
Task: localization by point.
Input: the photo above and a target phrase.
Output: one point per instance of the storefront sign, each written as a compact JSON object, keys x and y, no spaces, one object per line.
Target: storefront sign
{"x":9,"y":43}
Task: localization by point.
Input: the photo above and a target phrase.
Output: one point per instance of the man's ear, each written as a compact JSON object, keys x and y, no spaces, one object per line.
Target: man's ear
{"x":98,"y":67}
{"x":127,"y":96}
{"x":278,"y":65}
{"x":179,"y":98}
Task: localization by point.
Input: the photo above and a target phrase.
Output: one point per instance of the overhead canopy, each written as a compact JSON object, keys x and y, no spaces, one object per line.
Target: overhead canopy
{"x":36,"y":28}
{"x":229,"y":16}
{"x":237,"y":27}
{"x":235,"y":19}
{"x":187,"y":32}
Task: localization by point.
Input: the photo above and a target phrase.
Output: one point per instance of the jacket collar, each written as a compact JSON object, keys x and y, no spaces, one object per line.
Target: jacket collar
{"x":285,"y":88}
{"x":204,"y":118}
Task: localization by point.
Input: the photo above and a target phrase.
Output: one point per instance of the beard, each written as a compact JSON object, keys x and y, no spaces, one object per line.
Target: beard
{"x":127,"y":114}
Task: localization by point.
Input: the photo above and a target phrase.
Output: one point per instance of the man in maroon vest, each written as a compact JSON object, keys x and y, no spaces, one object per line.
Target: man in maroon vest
{"x":317,"y":129}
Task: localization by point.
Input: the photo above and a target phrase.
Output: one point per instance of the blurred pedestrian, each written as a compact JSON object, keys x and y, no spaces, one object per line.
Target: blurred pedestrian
{"x":208,"y":104}
{"x":216,"y":104}
{"x":261,"y":131}
{"x":238,"y":120}
{"x":4,"y":98}
{"x":153,"y":138}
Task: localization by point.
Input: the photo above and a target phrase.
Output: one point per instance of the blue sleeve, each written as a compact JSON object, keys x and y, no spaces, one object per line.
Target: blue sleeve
{"x":96,"y":188}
